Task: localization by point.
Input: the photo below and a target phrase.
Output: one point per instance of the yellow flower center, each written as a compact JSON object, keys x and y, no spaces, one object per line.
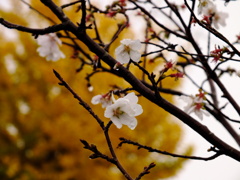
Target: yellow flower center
{"x":117,"y":112}
{"x":127,"y":48}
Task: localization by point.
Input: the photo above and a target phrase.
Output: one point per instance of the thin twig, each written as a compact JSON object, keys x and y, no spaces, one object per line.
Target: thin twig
{"x":34,"y":31}
{"x":80,"y":100}
{"x":41,"y":14}
{"x":146,"y":171}
{"x":150,"y":149}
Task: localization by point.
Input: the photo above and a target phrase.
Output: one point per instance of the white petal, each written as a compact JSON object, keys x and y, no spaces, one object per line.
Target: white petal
{"x":135,"y":55}
{"x":116,"y":121}
{"x":55,"y":38}
{"x":135,"y":45}
{"x":137,"y":109}
{"x":131,"y":97}
{"x":131,"y":122}
{"x":109,"y":112}
{"x":126,"y":41}
{"x":125,"y":119}
{"x":96,"y":99}
{"x":126,"y":107}
{"x":199,"y":114}
{"x":49,"y":47}
{"x":123,"y":57}
{"x":119,"y":49}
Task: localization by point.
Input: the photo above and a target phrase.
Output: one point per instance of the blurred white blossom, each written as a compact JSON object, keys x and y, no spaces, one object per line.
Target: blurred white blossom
{"x":205,"y":6}
{"x":209,"y":9}
{"x":12,"y":130}
{"x":49,"y":47}
{"x":129,"y":49}
{"x":105,"y":100}
{"x":195,"y":105}
{"x":219,"y":18}
{"x":124,"y":110}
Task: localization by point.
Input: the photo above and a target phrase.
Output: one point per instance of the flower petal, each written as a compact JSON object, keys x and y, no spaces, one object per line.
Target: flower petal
{"x":116,"y":121}
{"x":126,"y":42}
{"x":131,"y":97}
{"x":96,"y":99}
{"x":135,"y":55}
{"x":119,"y":49}
{"x":123,"y":57}
{"x":125,"y":119}
{"x":49,"y":47}
{"x":135,"y":45}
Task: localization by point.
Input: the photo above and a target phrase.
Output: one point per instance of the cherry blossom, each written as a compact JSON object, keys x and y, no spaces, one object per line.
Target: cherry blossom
{"x":129,"y":49}
{"x":105,"y":99}
{"x":195,"y":104}
{"x":169,"y":65}
{"x":219,"y":18}
{"x":111,"y":13}
{"x":124,"y":110}
{"x":122,"y":2}
{"x":218,"y":52}
{"x":204,"y":6}
{"x":177,"y":75}
{"x":49,"y":47}
{"x":211,"y":14}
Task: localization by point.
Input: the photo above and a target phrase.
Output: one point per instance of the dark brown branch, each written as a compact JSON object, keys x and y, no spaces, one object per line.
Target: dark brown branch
{"x":115,"y":36}
{"x":82,"y":25}
{"x":150,"y":149}
{"x":76,"y":96}
{"x":51,"y":29}
{"x":96,"y":152}
{"x":221,"y":118}
{"x":146,"y":171}
{"x":117,"y":163}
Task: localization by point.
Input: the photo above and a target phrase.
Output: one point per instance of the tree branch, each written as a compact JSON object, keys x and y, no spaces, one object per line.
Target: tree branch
{"x":150,"y":149}
{"x":51,"y":29}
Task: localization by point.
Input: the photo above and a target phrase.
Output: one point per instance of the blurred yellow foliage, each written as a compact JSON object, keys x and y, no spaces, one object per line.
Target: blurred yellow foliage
{"x":41,"y":123}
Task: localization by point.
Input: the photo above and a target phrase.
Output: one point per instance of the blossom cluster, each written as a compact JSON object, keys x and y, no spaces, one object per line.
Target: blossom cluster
{"x":128,"y":50}
{"x":171,"y":65}
{"x":121,"y":111}
{"x":218,"y":52}
{"x":211,"y":15}
{"x":195,"y":104}
{"x":49,"y":47}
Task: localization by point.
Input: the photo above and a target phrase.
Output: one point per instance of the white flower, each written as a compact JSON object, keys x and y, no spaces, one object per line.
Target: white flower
{"x":105,"y":100}
{"x":219,"y":18}
{"x":124,"y":110}
{"x":129,"y":49}
{"x":195,"y":105}
{"x":205,"y":7}
{"x":49,"y":47}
